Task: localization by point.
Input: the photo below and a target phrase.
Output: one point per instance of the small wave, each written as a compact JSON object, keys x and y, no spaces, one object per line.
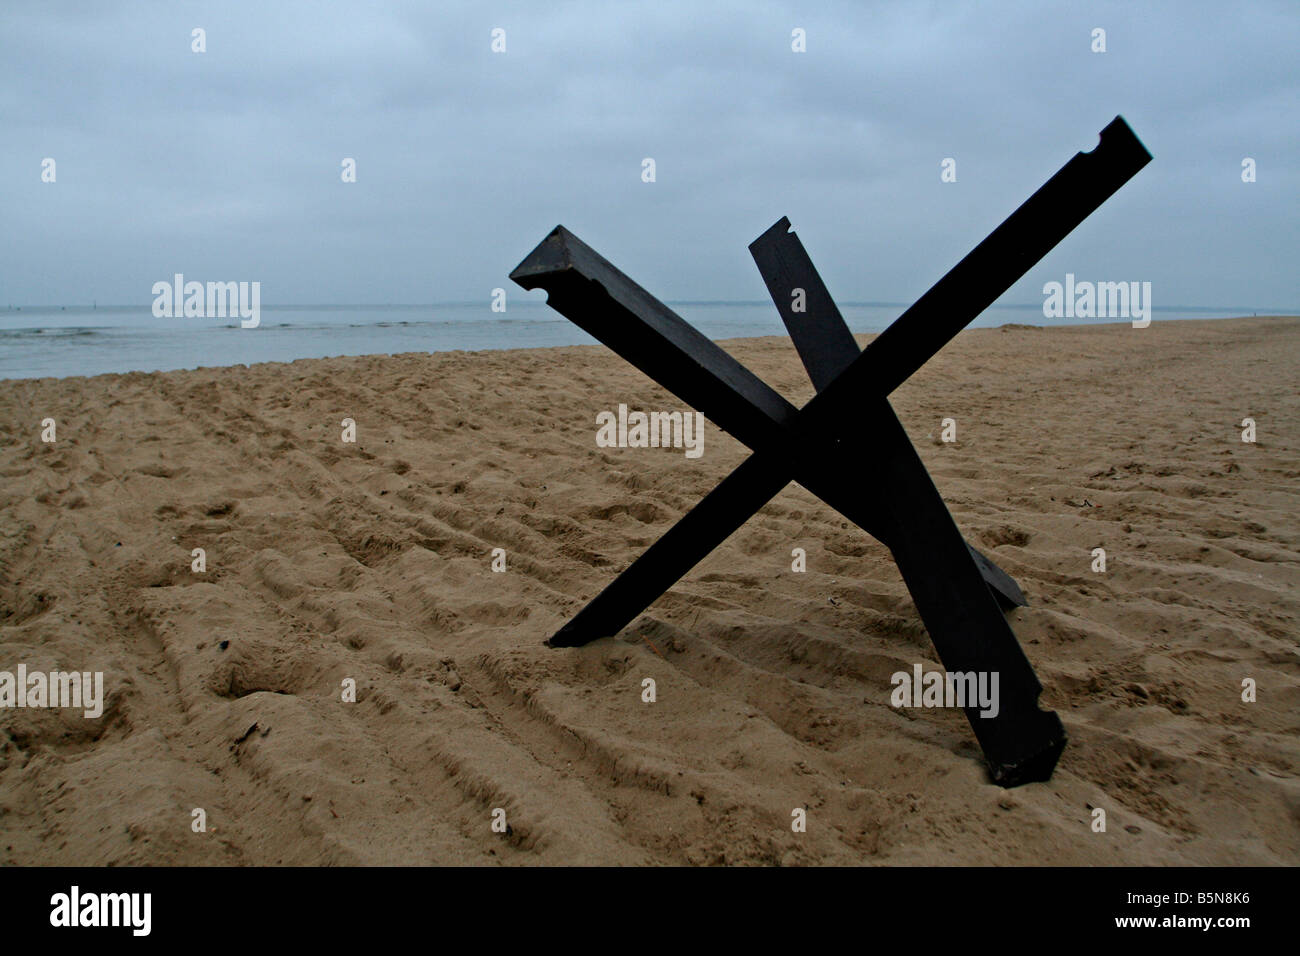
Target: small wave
{"x":61,"y":332}
{"x":445,"y":323}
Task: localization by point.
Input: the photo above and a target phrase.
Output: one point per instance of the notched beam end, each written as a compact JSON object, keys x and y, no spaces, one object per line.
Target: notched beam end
{"x":1119,"y":137}
{"x":779,"y":228}
{"x":551,"y":256}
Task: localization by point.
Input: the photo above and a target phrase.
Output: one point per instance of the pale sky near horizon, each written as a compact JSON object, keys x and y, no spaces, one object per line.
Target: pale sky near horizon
{"x":225,"y":165}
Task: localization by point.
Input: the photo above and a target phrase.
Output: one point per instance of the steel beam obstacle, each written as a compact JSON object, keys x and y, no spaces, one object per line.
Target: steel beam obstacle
{"x":846,"y":445}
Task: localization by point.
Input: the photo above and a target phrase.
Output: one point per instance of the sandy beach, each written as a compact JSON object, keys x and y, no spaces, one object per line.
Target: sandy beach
{"x":372,"y":561}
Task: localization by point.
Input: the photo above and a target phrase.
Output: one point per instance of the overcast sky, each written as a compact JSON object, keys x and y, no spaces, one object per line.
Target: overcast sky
{"x":225,"y":165}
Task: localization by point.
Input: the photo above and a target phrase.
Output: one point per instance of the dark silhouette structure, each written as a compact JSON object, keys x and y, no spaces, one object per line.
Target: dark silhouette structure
{"x":846,"y":445}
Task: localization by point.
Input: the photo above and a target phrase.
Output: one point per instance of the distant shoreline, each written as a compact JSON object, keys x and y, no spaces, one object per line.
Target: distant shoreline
{"x":1121,"y":326}
{"x":531,"y":304}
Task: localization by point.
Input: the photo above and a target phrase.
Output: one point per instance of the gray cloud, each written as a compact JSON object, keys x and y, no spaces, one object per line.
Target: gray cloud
{"x":225,"y":165}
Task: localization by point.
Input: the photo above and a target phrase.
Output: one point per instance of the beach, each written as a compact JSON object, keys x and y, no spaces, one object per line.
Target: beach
{"x":227,"y":736}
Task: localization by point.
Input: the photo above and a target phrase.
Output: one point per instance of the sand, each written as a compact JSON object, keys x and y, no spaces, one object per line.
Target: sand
{"x":372,"y":561}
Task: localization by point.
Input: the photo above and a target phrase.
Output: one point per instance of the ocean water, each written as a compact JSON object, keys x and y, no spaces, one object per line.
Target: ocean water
{"x":41,"y":341}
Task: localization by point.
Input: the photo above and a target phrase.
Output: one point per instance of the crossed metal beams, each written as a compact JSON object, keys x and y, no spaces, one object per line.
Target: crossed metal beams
{"x":846,"y":445}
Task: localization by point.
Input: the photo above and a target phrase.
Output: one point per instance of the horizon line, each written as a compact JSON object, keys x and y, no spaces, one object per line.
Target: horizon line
{"x":92,"y":306}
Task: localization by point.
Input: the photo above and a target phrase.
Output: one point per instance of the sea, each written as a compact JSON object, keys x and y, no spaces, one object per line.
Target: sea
{"x":59,"y":341}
